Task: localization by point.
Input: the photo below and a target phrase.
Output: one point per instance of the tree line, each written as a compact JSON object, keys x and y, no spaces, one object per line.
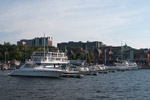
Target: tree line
{"x":10,"y":52}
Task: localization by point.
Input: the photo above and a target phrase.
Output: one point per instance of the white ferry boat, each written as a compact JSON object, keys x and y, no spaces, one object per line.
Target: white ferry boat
{"x":125,"y":65}
{"x":43,"y":64}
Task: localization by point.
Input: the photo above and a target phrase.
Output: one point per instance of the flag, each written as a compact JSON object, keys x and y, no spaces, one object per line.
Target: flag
{"x":110,"y":52}
{"x":23,"y":43}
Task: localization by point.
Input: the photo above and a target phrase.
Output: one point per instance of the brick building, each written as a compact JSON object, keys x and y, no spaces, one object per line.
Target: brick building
{"x":143,"y":58}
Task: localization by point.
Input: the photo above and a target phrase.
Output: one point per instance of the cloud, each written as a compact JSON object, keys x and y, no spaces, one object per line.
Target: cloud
{"x":68,"y":20}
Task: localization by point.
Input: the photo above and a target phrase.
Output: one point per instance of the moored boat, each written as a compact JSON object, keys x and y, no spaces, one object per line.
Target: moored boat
{"x":124,"y":65}
{"x":43,"y":64}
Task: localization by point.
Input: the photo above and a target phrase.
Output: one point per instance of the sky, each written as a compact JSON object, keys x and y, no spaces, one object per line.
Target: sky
{"x":108,"y":21}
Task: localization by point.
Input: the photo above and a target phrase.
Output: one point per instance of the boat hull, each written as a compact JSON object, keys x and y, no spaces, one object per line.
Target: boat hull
{"x":38,"y":73}
{"x":124,"y":67}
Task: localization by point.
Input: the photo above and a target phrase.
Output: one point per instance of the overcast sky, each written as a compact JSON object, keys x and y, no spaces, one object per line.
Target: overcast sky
{"x":109,"y":21}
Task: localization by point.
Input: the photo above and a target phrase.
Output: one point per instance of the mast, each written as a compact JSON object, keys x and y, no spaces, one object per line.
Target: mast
{"x":44,"y":49}
{"x":86,"y":54}
{"x":105,"y":55}
{"x":5,"y":57}
{"x":121,"y":51}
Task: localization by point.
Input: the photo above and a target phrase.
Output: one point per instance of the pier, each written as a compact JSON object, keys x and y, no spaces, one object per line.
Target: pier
{"x":81,"y":74}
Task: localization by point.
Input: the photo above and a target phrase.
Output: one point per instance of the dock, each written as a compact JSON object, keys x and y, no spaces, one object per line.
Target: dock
{"x":72,"y":74}
{"x":81,"y":74}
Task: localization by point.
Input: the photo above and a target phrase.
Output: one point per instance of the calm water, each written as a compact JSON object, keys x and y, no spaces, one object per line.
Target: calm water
{"x":129,"y":85}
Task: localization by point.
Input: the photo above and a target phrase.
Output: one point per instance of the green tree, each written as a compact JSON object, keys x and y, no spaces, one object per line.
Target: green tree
{"x":15,"y":53}
{"x":80,"y":56}
{"x":1,"y":56}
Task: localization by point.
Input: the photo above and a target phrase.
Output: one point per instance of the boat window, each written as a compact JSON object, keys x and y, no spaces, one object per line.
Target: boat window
{"x":60,"y":55}
{"x":53,"y":59}
{"x":38,"y":63}
{"x":64,"y":59}
{"x":54,"y":55}
{"x":57,"y":58}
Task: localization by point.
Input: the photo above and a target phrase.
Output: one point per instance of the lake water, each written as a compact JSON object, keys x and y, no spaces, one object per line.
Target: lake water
{"x":128,"y":85}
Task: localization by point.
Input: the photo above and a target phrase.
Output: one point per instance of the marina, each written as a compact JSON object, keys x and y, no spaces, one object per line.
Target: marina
{"x":57,"y":65}
{"x":74,"y":74}
{"x":74,"y":50}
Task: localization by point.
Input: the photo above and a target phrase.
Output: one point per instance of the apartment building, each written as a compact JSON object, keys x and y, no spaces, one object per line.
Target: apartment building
{"x":38,"y":41}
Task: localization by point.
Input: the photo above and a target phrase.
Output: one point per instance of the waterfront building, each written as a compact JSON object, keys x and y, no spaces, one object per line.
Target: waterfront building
{"x":103,"y":54}
{"x":142,"y":58}
{"x":38,"y":41}
{"x":111,"y":54}
{"x":84,"y":45}
{"x":25,"y":41}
